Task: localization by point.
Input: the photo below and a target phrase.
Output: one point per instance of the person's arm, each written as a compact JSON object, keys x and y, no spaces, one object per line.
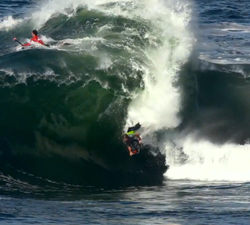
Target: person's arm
{"x":138,"y":135}
{"x":28,"y":44}
{"x":41,"y":42}
{"x":130,"y":151}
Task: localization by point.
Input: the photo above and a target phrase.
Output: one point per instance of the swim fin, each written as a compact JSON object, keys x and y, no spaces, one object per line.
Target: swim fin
{"x":135,"y":127}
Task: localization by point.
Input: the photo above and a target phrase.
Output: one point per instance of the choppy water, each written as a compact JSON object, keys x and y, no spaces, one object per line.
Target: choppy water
{"x":180,"y":68}
{"x":175,"y":202}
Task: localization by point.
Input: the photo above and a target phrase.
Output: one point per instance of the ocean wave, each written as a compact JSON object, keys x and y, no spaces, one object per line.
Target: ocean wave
{"x":72,"y":98}
{"x":112,"y":64}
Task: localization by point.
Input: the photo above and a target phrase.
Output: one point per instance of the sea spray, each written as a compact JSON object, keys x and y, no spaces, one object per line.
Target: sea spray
{"x":203,"y":160}
{"x":158,"y":104}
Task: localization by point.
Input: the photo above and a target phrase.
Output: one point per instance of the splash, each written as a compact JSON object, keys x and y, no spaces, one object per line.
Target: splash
{"x":158,"y":104}
{"x":203,"y":160}
{"x":69,"y":8}
{"x":8,"y":23}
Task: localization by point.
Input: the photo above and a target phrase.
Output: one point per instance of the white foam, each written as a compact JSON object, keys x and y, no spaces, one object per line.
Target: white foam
{"x":7,"y":23}
{"x":157,"y":106}
{"x":22,"y":77}
{"x":209,"y":162}
{"x":55,"y":7}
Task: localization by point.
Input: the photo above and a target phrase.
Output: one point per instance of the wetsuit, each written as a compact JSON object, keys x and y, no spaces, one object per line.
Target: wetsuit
{"x":35,"y":39}
{"x":132,"y":141}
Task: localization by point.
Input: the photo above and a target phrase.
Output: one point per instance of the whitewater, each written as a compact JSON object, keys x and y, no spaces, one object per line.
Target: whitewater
{"x":180,"y":68}
{"x":156,"y":102}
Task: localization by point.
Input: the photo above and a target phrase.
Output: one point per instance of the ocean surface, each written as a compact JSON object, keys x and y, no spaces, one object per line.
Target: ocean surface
{"x":180,"y":68}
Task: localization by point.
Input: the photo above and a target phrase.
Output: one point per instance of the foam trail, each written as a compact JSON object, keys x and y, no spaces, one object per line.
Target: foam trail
{"x":157,"y":106}
{"x":209,"y":162}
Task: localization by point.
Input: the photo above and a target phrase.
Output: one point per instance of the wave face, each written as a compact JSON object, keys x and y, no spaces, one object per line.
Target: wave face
{"x":110,"y":64}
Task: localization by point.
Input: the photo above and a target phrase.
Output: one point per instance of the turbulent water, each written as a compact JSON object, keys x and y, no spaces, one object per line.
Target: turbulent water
{"x":180,"y":68}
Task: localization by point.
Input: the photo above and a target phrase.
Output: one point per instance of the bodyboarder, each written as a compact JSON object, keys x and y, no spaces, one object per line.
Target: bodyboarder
{"x":35,"y":38}
{"x":133,"y":139}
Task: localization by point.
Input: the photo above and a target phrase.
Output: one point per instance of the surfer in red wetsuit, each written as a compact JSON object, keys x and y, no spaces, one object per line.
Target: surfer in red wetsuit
{"x":35,"y":38}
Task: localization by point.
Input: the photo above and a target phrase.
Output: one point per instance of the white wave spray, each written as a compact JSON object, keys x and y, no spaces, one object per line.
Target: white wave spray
{"x":8,"y":23}
{"x":157,"y":106}
{"x":157,"y":103}
{"x":203,"y":160}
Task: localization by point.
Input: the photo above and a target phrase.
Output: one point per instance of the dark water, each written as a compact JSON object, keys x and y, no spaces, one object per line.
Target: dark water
{"x":176,"y":202}
{"x":179,"y":68}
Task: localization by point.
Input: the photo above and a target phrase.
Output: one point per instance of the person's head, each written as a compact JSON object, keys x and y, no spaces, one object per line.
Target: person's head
{"x":34,"y":33}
